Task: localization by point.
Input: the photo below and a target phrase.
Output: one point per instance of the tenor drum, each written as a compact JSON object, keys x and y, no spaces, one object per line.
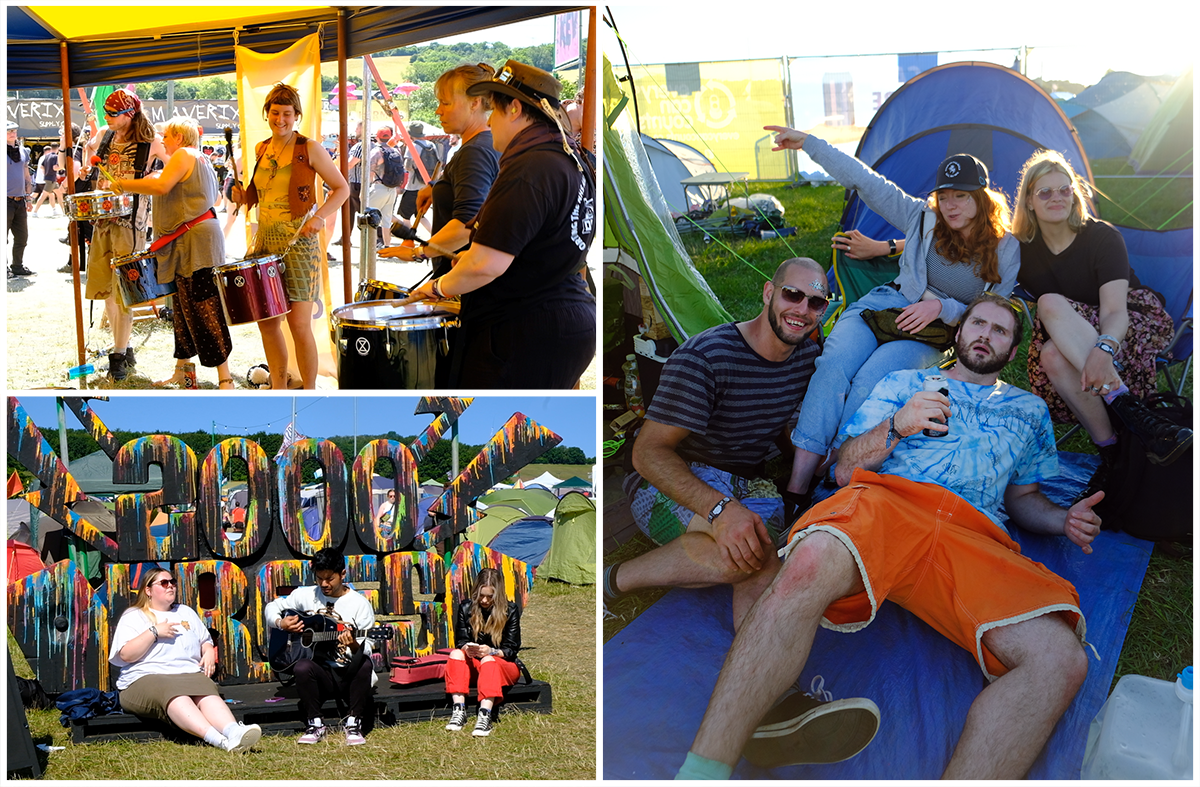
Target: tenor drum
{"x":383,"y":345}
{"x":372,"y":290}
{"x":252,"y":289}
{"x":137,"y":279}
{"x":89,"y":205}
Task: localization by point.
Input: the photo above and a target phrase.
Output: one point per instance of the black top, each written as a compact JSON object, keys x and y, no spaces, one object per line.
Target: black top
{"x":460,"y":191}
{"x":1096,"y":257}
{"x":510,"y":638}
{"x":542,"y":210}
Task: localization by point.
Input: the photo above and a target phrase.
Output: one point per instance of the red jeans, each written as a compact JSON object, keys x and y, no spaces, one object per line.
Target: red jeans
{"x":491,"y":676}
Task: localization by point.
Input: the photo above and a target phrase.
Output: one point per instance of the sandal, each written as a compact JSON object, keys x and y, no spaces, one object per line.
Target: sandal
{"x":224,"y":380}
{"x":175,"y":380}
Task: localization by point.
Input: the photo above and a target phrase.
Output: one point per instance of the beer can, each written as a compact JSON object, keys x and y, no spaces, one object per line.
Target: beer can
{"x":936,"y":383}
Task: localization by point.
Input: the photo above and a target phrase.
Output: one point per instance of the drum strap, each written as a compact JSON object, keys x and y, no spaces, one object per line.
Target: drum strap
{"x":182,"y":228}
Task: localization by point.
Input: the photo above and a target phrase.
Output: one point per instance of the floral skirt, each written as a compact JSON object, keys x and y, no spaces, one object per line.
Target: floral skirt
{"x":1150,"y":331}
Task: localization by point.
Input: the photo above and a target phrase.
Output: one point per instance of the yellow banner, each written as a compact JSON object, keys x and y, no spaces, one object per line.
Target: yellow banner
{"x":717,"y":108}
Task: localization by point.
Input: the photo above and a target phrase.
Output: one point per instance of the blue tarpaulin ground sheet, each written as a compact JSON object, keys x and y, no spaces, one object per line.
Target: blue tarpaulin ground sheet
{"x":659,"y":671}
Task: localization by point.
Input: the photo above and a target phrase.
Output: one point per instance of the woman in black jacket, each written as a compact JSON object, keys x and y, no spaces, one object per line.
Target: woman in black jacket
{"x":489,"y":638}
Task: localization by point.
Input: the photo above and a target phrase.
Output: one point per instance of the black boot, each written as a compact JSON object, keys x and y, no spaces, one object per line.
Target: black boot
{"x":130,"y":360}
{"x":1099,"y":479}
{"x":117,"y":368}
{"x":1164,"y":441}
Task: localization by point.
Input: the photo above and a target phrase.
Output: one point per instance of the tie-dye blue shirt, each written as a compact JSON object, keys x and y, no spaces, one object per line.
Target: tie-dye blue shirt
{"x":999,"y":436}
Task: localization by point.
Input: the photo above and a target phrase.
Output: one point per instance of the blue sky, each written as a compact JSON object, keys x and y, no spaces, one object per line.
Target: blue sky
{"x":571,"y":417}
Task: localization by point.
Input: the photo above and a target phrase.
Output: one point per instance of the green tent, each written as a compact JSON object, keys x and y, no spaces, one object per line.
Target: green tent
{"x":572,"y":555}
{"x":494,"y":519}
{"x":535,"y":502}
{"x":638,"y":222}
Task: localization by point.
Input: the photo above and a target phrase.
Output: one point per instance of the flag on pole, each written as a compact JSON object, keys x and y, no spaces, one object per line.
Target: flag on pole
{"x":290,"y":435}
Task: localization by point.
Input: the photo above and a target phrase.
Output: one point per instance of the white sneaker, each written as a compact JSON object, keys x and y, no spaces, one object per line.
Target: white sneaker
{"x":243,"y":738}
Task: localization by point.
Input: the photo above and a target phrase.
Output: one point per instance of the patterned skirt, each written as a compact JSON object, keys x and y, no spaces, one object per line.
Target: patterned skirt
{"x":1150,"y":331}
{"x":301,"y":263}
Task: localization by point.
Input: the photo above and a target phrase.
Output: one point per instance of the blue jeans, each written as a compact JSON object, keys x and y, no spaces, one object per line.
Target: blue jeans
{"x":848,"y":369}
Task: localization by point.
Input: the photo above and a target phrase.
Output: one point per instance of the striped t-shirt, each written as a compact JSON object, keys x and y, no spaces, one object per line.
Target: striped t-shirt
{"x":733,"y":401}
{"x":957,"y":280}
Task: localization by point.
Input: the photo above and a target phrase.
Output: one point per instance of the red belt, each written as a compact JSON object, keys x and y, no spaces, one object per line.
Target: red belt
{"x":182,"y":228}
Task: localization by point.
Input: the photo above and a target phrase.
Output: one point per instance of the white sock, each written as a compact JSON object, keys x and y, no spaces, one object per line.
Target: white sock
{"x":230,"y":728}
{"x":214,"y":738}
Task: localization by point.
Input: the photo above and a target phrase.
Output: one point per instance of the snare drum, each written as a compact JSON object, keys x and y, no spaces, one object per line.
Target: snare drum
{"x":137,"y":278}
{"x":383,"y":345}
{"x":89,"y":205}
{"x":252,"y":289}
{"x":372,"y":290}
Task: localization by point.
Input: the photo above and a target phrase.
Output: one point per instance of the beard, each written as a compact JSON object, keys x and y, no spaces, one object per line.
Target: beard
{"x":992,"y":363}
{"x":780,"y":329}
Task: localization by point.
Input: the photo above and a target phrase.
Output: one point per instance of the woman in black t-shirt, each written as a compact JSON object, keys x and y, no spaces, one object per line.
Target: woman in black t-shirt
{"x":1098,"y":329}
{"x":528,"y":318}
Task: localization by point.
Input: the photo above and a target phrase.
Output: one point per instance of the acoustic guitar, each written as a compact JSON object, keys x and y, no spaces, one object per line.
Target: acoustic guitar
{"x":317,"y":639}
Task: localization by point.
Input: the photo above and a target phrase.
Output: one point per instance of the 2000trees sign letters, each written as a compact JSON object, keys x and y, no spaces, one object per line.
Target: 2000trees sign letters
{"x":64,"y":626}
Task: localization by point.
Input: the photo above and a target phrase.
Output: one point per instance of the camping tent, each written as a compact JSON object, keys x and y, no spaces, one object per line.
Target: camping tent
{"x":535,"y":502}
{"x":1166,"y":143}
{"x":573,"y":484}
{"x":1110,"y":115}
{"x":989,"y":111}
{"x":546,"y":479}
{"x":672,"y":162}
{"x":572,"y":555}
{"x":637,"y":221}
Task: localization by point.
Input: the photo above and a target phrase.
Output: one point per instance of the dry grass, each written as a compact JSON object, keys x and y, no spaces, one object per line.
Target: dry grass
{"x":41,"y":320}
{"x":559,"y":629}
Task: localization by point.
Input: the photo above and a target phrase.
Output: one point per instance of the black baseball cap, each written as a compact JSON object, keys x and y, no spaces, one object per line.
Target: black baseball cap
{"x":961,"y":171}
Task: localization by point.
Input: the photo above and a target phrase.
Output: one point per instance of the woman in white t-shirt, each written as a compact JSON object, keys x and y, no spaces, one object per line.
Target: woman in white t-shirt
{"x":167,"y":658}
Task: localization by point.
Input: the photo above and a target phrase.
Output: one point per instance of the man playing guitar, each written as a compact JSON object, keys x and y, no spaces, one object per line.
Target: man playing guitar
{"x":344,"y":671}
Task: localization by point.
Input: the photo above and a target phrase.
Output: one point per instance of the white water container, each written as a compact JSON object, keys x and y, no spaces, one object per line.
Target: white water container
{"x":1143,"y":731}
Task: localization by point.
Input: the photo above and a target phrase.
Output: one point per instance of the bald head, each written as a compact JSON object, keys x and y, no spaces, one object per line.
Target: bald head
{"x":804,"y":264}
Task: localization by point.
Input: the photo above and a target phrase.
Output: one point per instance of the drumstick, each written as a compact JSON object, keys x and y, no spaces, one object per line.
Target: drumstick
{"x":112,"y":181}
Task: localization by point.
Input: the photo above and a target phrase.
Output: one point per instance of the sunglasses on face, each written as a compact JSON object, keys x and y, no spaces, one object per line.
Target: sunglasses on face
{"x":1047,"y":193}
{"x":109,"y":114}
{"x":816,"y":303}
{"x":164,"y":583}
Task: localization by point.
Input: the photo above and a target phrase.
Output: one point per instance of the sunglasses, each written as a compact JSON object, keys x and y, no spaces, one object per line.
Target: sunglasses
{"x":816,"y":303}
{"x":1047,"y":193}
{"x":164,"y":583}
{"x":108,"y":114}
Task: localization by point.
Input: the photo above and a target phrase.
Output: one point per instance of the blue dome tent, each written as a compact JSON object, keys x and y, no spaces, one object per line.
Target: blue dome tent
{"x":991,"y":112}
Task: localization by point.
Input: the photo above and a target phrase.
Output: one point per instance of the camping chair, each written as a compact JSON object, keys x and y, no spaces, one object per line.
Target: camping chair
{"x":853,"y":279}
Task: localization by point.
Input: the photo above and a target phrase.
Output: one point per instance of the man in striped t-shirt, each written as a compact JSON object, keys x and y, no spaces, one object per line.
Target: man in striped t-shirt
{"x":724,"y":396}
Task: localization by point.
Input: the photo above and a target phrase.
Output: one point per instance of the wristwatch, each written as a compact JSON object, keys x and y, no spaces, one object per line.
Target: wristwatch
{"x":154,"y":631}
{"x":891,"y":247}
{"x":718,"y":508}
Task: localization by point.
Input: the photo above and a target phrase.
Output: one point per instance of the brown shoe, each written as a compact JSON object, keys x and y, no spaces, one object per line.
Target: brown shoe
{"x":805,"y":729}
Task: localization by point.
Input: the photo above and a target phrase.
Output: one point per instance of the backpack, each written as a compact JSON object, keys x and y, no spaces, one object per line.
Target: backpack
{"x":429,"y":157}
{"x":1147,"y":500}
{"x":393,"y":167}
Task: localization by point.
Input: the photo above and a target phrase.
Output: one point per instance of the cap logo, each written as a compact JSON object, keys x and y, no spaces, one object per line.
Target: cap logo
{"x":952,"y":169}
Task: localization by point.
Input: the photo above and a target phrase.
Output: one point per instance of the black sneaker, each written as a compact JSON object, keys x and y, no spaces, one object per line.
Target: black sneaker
{"x":812,"y":728}
{"x":1099,"y":479}
{"x":1164,"y":441}
{"x":483,"y":724}
{"x":117,"y":368}
{"x":458,"y":718}
{"x":21,"y":271}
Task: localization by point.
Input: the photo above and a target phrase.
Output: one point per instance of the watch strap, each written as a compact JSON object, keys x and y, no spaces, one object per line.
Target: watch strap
{"x":718,"y":508}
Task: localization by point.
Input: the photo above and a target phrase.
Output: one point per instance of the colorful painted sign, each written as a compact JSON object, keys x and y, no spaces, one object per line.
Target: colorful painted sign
{"x":63,"y":624}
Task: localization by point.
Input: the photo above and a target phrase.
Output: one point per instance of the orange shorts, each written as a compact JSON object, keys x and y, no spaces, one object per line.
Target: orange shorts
{"x":934,"y":554}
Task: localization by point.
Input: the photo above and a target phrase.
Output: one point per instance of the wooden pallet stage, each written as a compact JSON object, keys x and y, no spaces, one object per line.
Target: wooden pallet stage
{"x":275,"y":708}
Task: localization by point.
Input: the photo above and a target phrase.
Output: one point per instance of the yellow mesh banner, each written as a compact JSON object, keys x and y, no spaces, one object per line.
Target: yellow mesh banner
{"x":717,"y":108}
{"x":299,"y":66}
